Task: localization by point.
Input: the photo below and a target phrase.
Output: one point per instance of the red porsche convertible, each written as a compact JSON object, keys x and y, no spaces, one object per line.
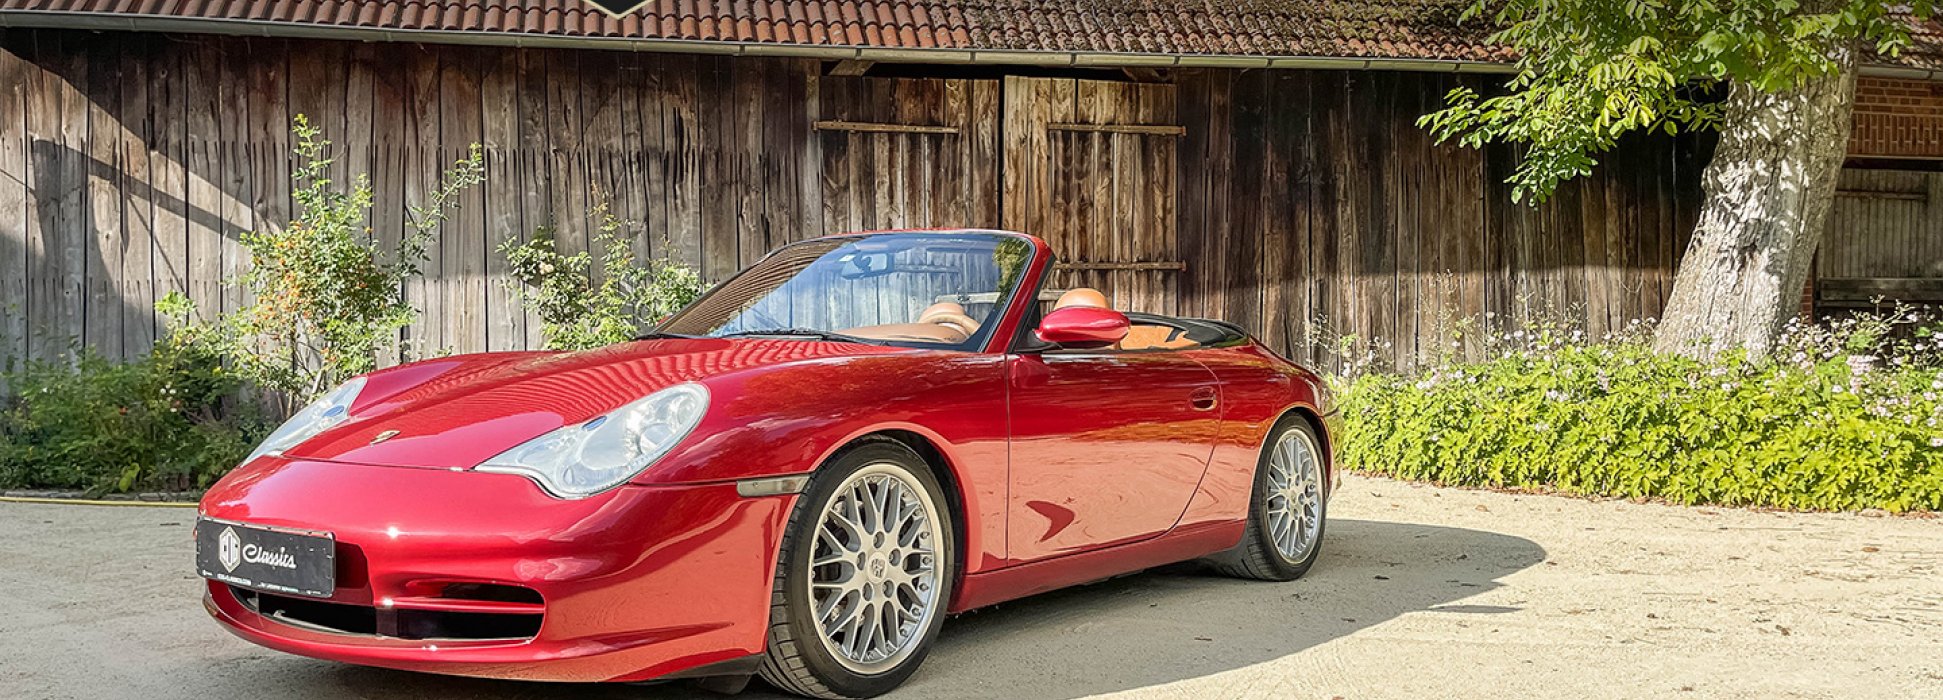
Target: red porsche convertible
{"x":798,"y":477}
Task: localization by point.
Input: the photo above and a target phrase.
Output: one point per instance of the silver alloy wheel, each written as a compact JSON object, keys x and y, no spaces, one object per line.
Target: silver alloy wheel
{"x":1294,"y":495}
{"x":874,"y":576}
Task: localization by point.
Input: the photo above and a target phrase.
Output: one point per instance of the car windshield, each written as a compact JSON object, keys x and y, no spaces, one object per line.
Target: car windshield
{"x":915,"y":289}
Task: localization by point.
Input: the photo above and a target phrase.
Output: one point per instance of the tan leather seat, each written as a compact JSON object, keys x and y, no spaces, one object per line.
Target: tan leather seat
{"x":1155,"y":337}
{"x":911,"y":332}
{"x":950,"y":314}
{"x":1082,"y":296}
{"x":1139,"y":336}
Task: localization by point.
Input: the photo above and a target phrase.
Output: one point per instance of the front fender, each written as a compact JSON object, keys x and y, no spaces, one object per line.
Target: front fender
{"x":787,"y":419}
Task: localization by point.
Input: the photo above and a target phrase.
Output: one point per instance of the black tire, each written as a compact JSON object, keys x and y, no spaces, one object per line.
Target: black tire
{"x":797,"y":660}
{"x":1256,"y":556}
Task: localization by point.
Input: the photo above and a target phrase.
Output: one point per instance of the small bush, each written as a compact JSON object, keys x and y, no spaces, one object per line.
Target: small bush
{"x":1844,"y":417}
{"x":167,"y":422}
{"x":578,"y":312}
{"x":324,"y":299}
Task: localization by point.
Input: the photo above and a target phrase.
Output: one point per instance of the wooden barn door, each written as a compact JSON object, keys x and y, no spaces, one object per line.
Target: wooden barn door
{"x":1089,"y":166}
{"x":907,"y":153}
{"x":1884,"y":240}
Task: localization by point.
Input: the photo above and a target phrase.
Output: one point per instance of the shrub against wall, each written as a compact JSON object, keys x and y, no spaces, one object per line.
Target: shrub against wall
{"x":166,"y":422}
{"x":580,"y":309}
{"x":324,"y":298}
{"x":1842,"y":418}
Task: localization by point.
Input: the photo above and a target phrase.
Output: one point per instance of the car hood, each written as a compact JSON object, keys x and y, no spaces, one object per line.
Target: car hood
{"x":453,"y":413}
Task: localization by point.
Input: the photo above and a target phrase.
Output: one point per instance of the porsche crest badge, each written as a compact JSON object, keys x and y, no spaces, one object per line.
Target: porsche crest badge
{"x":229,"y":549}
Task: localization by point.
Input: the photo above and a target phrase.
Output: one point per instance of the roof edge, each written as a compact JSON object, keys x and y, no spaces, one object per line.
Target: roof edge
{"x":98,"y":21}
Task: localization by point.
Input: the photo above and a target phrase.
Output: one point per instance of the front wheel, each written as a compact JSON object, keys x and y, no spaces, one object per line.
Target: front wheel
{"x":1287,"y":513}
{"x":864,"y":576}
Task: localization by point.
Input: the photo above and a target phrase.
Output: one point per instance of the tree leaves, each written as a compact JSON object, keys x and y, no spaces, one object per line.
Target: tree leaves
{"x":323,"y":297}
{"x":1593,"y":71}
{"x":580,"y":310}
{"x":1806,"y":429}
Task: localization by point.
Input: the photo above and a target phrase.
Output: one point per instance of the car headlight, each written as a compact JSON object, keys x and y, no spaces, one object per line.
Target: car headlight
{"x":319,"y":416}
{"x":584,"y":459}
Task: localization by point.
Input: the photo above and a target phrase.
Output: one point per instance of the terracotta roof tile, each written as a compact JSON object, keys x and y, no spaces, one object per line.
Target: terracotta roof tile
{"x":1414,"y":29}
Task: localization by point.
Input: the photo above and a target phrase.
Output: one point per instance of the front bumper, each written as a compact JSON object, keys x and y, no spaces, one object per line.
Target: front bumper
{"x":637,"y":583}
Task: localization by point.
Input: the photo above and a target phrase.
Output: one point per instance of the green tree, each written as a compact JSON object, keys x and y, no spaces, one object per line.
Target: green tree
{"x":1592,"y":71}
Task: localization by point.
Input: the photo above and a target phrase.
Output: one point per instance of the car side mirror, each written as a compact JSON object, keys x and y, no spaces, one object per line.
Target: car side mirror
{"x":1083,"y":327}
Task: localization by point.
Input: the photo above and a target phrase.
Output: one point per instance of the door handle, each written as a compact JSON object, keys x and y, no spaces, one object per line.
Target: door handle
{"x":1203,"y":399}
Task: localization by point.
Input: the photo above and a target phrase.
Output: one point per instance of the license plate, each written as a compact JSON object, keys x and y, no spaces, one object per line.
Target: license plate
{"x":279,"y":560}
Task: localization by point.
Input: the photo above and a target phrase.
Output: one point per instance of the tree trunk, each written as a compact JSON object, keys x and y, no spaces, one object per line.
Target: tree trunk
{"x":1768,"y":190}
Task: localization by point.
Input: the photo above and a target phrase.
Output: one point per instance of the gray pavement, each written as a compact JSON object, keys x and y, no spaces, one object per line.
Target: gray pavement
{"x":1421,"y":592}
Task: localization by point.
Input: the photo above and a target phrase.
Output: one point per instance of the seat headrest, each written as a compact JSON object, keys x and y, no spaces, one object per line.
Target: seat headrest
{"x":1082,"y":296}
{"x":942,"y":307}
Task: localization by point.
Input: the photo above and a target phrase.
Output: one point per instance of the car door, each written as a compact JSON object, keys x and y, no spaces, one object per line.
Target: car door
{"x":1106,"y":447}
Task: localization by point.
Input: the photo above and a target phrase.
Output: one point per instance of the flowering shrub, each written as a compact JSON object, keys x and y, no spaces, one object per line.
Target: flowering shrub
{"x":578,"y":312}
{"x":1844,"y":416}
{"x":166,"y":422}
{"x":323,"y":300}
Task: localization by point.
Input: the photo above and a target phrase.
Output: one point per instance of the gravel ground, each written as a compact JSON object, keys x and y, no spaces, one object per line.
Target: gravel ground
{"x":1421,"y":592}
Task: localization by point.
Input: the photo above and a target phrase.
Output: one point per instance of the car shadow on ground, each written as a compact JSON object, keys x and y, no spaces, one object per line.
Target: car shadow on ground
{"x":1165,"y":625}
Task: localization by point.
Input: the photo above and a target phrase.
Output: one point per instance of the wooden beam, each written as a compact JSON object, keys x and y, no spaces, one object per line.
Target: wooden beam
{"x":880,"y":128}
{"x":1148,"y":129}
{"x":1884,"y":194}
{"x":851,"y":68}
{"x":1161,"y":265}
{"x":1885,"y":285}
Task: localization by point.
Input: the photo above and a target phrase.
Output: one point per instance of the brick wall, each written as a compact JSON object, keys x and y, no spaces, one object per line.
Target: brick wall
{"x":1898,"y":119}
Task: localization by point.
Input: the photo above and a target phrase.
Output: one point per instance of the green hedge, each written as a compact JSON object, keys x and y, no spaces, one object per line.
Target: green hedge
{"x":167,"y":422}
{"x":1818,"y":427}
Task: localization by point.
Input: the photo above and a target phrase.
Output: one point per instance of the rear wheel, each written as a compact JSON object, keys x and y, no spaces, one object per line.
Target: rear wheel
{"x":1288,"y":510}
{"x":864,"y":576}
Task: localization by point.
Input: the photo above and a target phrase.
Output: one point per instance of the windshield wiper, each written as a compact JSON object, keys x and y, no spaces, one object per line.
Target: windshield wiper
{"x":658,"y":335}
{"x":797,"y":333}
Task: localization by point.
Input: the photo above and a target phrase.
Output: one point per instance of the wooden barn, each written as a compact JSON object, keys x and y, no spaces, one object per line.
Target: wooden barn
{"x":1256,"y":161}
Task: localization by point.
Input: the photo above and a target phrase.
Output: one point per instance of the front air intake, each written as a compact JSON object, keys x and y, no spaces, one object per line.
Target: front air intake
{"x":407,"y":619}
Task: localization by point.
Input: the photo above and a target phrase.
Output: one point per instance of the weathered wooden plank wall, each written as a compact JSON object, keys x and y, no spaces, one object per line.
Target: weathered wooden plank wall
{"x":904,"y":152}
{"x":130,"y":164}
{"x":1092,"y":170}
{"x":1884,"y":243}
{"x":1885,"y":224}
{"x":1300,"y":204}
{"x":1313,"y":207}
